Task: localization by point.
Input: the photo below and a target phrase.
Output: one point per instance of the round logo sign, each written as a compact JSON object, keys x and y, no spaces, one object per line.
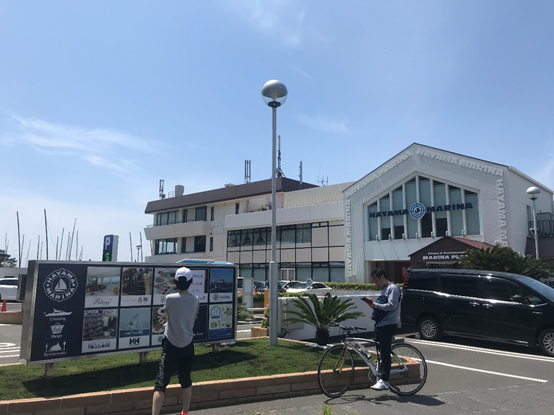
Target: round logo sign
{"x":60,"y":285}
{"x":417,"y":210}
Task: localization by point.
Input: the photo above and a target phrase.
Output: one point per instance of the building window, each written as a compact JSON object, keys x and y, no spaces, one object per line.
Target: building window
{"x":212,"y":213}
{"x":373,"y":222}
{"x":398,"y":220}
{"x":304,"y":233}
{"x":384,"y":206}
{"x":246,"y":237}
{"x":441,"y":220}
{"x":211,"y":243}
{"x":472,"y":215}
{"x":425,"y":199}
{"x":233,"y":239}
{"x":166,"y":246}
{"x":456,"y":216}
{"x":201,"y":213}
{"x":200,"y":243}
{"x":167,"y":218}
{"x":411,"y":198}
{"x":260,"y":236}
{"x":288,"y":234}
{"x":185,"y":211}
{"x":237,"y":208}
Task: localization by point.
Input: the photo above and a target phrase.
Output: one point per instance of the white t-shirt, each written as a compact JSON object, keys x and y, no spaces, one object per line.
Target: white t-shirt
{"x":181,"y":312}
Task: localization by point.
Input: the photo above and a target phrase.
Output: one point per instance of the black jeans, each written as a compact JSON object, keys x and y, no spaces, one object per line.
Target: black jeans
{"x":383,"y":335}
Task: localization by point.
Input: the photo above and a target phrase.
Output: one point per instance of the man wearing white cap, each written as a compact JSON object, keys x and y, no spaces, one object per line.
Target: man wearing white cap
{"x":177,"y":345}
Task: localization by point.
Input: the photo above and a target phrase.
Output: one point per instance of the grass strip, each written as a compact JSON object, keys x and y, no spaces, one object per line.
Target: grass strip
{"x":246,"y":358}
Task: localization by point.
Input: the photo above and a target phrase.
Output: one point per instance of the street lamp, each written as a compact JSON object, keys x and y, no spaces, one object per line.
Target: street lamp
{"x":274,"y":94}
{"x":534,"y":192}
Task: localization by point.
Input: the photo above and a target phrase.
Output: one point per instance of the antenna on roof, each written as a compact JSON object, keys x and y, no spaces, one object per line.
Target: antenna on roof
{"x":279,"y":171}
{"x":300,"y":176}
{"x":322,"y":180}
{"x":247,"y":171}
{"x":162,"y":195}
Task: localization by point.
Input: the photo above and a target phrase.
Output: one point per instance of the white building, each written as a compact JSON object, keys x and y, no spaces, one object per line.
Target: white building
{"x":234,"y":224}
{"x":458,"y":196}
{"x":340,"y":232}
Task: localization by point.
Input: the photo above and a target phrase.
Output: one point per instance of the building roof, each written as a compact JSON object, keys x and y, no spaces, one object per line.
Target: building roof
{"x":474,"y":244}
{"x":240,"y":191}
{"x":316,"y":195}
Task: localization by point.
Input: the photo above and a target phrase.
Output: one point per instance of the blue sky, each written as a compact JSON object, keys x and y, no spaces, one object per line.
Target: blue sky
{"x":100,"y":100}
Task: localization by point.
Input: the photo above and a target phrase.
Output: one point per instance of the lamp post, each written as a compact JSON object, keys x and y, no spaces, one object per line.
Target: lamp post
{"x":534,"y":192}
{"x":274,"y":94}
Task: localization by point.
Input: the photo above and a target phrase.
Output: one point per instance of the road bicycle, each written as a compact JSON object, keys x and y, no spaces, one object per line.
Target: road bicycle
{"x":336,"y":368}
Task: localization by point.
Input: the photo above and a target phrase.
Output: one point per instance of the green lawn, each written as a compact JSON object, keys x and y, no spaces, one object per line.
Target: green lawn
{"x":247,"y":358}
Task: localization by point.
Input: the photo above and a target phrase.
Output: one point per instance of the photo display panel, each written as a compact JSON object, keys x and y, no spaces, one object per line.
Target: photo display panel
{"x":82,"y":309}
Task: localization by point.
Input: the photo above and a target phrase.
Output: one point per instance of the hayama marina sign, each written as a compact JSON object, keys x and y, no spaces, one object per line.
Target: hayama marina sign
{"x":418,"y":210}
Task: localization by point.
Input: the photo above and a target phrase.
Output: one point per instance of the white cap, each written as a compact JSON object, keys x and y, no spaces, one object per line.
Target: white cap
{"x":183,"y":274}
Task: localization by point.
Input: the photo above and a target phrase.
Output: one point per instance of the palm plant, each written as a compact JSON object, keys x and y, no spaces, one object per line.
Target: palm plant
{"x":321,"y":313}
{"x":503,"y":258}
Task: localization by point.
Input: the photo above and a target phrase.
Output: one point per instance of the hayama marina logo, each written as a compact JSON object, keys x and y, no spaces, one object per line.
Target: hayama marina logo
{"x":60,"y":285}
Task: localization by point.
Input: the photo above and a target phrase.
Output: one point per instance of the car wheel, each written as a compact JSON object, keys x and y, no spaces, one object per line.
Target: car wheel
{"x":546,"y":342}
{"x":430,"y":328}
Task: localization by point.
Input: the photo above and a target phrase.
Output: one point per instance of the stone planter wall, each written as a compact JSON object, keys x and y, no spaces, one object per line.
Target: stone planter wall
{"x":259,"y":332}
{"x":11,"y":317}
{"x":204,"y":395}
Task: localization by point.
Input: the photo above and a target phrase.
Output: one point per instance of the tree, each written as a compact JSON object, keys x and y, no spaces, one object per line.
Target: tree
{"x":505,"y":259}
{"x":321,"y":313}
{"x":6,"y":260}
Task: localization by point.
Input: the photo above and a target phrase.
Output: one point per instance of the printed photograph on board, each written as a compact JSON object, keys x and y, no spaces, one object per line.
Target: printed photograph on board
{"x":102,"y":288}
{"x":99,"y":330}
{"x":134,"y":327}
{"x":221,"y":321}
{"x":221,"y":285}
{"x":163,"y":284}
{"x":159,"y":319}
{"x":199,"y":286}
{"x":136,"y":286}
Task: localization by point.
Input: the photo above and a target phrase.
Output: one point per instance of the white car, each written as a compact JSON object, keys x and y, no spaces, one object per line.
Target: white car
{"x":318,"y":288}
{"x":8,"y":288}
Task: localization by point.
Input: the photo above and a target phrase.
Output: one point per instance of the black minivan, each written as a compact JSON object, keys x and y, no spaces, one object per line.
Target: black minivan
{"x":486,"y":305}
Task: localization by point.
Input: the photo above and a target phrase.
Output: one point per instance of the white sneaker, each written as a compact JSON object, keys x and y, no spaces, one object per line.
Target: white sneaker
{"x":381,"y":385}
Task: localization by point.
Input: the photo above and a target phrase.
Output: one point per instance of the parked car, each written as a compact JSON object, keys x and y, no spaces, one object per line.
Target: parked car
{"x":8,"y":288}
{"x":486,"y":305}
{"x":310,"y":286}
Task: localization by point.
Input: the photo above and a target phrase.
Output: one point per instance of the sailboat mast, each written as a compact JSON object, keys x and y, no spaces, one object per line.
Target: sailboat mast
{"x":59,"y":254}
{"x":141,"y":254}
{"x":46,"y":229}
{"x":38,"y":248}
{"x":18,"y":240}
{"x":131,"y":244}
{"x":71,"y":244}
{"x":77,"y":247}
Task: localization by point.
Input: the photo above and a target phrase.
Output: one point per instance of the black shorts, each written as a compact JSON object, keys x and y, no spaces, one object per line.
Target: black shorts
{"x":172,"y":358}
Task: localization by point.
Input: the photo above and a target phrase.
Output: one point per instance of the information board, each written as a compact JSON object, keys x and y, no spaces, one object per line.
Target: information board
{"x":80,"y":309}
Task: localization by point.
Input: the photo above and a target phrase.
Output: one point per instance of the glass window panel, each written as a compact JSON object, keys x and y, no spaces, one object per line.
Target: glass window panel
{"x":201,"y":213}
{"x":321,"y":274}
{"x":456,"y":214}
{"x":259,"y":274}
{"x":384,"y":204}
{"x":247,"y":236}
{"x":304,"y":233}
{"x":232,"y":239}
{"x":373,"y":223}
{"x":441,"y":217}
{"x":166,"y":246}
{"x":467,"y":287}
{"x":288,"y":235}
{"x":337,"y":274}
{"x":411,"y":198}
{"x":398,"y":205}
{"x":185,"y":211}
{"x":472,"y":215}
{"x":260,"y":237}
{"x":200,"y":243}
{"x":425,"y":199}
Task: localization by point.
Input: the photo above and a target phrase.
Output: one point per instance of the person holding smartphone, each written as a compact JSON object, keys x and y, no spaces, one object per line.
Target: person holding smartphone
{"x":385,"y":314}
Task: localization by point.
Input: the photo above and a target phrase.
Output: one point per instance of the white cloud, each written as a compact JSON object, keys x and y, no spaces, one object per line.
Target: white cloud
{"x":283,"y":20}
{"x":320,"y":123}
{"x":304,"y":74}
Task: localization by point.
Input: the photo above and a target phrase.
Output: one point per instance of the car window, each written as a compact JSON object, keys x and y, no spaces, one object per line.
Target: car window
{"x":497,"y":289}
{"x":460,"y":285}
{"x":427,"y":282}
{"x":316,"y":285}
{"x":537,"y":286}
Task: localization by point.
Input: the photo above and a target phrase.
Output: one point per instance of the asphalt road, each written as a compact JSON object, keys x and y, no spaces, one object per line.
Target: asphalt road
{"x":466,"y":378}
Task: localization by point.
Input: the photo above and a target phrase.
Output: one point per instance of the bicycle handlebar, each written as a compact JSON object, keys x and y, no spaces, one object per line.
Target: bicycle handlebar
{"x":348,"y":329}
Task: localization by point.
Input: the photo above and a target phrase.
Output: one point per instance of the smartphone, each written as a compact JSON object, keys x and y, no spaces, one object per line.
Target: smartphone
{"x":368,"y":300}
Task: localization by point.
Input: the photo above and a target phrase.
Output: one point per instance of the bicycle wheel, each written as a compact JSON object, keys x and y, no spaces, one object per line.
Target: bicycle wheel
{"x":408,"y":369}
{"x":336,"y":371}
